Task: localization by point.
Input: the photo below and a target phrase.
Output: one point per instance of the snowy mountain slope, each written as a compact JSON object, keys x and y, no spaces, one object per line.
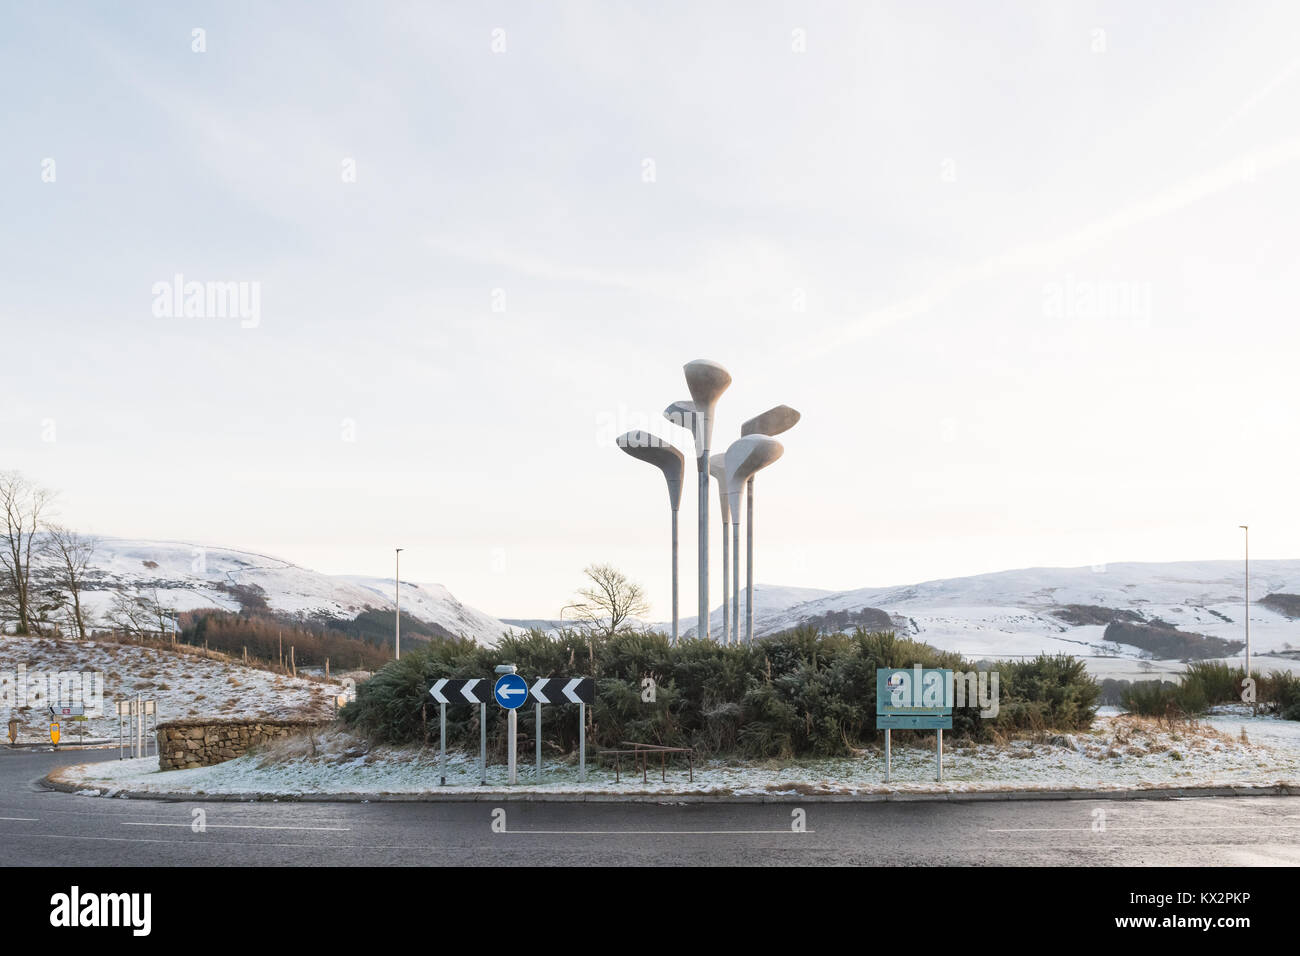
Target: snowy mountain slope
{"x":434,"y":604}
{"x":188,"y":576}
{"x":769,"y":601}
{"x":1009,"y":613}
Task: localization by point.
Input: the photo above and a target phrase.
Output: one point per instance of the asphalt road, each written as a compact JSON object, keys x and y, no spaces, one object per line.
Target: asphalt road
{"x":39,"y":827}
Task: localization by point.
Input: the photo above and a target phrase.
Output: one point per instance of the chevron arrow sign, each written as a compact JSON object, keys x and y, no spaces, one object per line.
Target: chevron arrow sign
{"x":564,"y":690}
{"x":475,"y":691}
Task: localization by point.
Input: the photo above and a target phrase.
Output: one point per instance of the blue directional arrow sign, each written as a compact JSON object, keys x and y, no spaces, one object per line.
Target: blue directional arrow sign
{"x":511,"y":691}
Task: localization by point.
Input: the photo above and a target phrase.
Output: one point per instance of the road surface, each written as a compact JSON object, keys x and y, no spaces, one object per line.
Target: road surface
{"x":40,"y":827}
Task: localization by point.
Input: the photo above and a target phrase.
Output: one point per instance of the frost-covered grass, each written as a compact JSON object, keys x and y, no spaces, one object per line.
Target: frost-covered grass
{"x":1123,"y":752}
{"x":184,"y":684}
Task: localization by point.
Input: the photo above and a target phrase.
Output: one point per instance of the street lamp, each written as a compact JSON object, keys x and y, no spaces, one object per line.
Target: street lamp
{"x":772,"y":422}
{"x":397,"y":589}
{"x":1246,"y":528}
{"x":718,"y":469}
{"x":668,"y":459}
{"x":746,"y":456}
{"x":706,"y":381}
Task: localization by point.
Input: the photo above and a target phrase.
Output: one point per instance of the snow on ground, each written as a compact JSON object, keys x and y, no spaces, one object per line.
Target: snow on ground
{"x":182,"y":681}
{"x":1122,"y":753}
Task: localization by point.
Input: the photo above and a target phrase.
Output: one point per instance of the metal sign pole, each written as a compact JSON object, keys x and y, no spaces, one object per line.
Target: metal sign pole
{"x":939,"y":757}
{"x":887,"y":755}
{"x":582,"y":741}
{"x":442,"y":742}
{"x":511,"y":725}
{"x":482,"y":743}
{"x":139,"y":725}
{"x":539,"y":743}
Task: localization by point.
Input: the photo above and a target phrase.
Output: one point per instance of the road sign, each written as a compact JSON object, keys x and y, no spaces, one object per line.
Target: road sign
{"x":54,"y":734}
{"x":510,"y":691}
{"x":914,"y":698}
{"x":564,"y":690}
{"x":447,"y":691}
{"x":67,"y":710}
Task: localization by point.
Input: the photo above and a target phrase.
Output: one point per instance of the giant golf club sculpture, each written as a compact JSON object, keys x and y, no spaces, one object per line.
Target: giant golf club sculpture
{"x":718,"y":469}
{"x":707,"y":381}
{"x":668,"y":459}
{"x":744,"y":458}
{"x":774,"y":421}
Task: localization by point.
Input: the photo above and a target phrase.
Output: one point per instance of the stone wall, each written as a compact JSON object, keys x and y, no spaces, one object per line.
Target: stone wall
{"x":201,"y":743}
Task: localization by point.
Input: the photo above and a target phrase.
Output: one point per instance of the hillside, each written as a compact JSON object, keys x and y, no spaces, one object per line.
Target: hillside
{"x":1032,"y":610}
{"x":182,"y":576}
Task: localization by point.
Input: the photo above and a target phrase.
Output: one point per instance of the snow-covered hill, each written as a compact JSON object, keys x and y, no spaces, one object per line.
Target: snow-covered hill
{"x":186,"y":576}
{"x":1010,"y":613}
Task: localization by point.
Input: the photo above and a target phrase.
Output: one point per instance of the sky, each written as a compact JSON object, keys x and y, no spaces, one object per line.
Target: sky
{"x":1027,"y":270}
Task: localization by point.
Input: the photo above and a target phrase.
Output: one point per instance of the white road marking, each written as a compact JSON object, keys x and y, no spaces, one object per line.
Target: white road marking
{"x":649,"y":832}
{"x":234,"y":826}
{"x":22,"y":819}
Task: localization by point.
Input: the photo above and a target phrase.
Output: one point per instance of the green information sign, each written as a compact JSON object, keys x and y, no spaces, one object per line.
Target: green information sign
{"x":914,"y":698}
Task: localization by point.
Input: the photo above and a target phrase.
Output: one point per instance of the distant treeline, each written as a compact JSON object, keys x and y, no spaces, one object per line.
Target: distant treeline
{"x":366,"y":645}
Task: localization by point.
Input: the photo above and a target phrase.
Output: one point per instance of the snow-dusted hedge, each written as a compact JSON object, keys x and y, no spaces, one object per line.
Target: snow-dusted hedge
{"x":795,"y":693}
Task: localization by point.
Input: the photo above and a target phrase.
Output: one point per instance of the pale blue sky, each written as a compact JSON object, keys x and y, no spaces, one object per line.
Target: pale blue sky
{"x":933,"y":180}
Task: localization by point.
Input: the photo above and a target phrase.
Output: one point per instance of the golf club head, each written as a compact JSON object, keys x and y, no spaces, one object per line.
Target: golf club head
{"x":707,"y":381}
{"x":718,"y":469}
{"x":662,"y":454}
{"x":683,"y":415}
{"x":745,"y":457}
{"x":771,"y":422}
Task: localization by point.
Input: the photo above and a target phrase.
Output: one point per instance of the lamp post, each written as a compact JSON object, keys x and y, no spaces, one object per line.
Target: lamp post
{"x":718,"y":469}
{"x":1246,"y":528}
{"x":397,"y":590}
{"x":772,"y":422}
{"x":745,"y":457}
{"x":668,"y":459}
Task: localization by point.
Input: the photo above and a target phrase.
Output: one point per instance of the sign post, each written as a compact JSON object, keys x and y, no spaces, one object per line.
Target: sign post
{"x":914,"y":698}
{"x":510,"y":692}
{"x":565,"y":690}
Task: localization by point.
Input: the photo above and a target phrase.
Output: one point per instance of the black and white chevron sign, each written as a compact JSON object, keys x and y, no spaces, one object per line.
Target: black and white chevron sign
{"x":474,"y":691}
{"x":564,"y":690}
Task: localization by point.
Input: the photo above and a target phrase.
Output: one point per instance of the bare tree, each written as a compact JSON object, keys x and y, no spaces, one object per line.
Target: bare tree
{"x":72,"y":553}
{"x":609,"y":601}
{"x":140,"y":614}
{"x":23,"y":503}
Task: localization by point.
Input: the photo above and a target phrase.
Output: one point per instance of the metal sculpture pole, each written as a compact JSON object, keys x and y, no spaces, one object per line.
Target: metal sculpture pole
{"x":668,"y":459}
{"x":745,"y":457}
{"x":718,"y":469}
{"x":772,"y":422}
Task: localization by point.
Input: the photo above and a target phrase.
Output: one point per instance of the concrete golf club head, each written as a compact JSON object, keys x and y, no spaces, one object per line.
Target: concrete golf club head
{"x":718,"y":469}
{"x":771,"y":422}
{"x":662,"y":454}
{"x":707,"y":381}
{"x":683,"y":415}
{"x":745,"y":457}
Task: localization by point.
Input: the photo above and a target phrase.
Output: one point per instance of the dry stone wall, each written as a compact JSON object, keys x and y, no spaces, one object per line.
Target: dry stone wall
{"x":201,"y":743}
